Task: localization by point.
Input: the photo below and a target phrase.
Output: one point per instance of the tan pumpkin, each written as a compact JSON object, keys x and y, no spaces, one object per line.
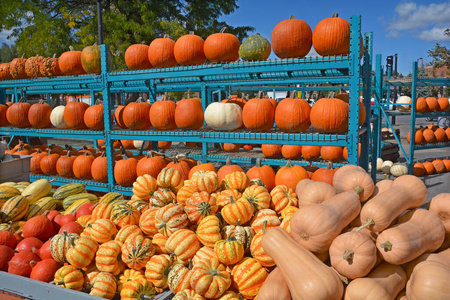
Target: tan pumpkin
{"x":429,"y":280}
{"x":355,"y":180}
{"x":275,"y":287}
{"x":440,"y":206}
{"x":310,"y":192}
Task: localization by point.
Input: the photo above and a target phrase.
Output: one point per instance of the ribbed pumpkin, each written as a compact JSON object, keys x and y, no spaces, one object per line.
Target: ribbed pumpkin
{"x":125,"y":171}
{"x":130,"y":275}
{"x":39,"y":115}
{"x":239,"y":211}
{"x":69,"y":277}
{"x":136,"y":115}
{"x":61,"y":244}
{"x":202,"y":166}
{"x":292,"y":115}
{"x":262,"y":216}
{"x":187,"y":294}
{"x":188,"y":50}
{"x":144,"y":187}
{"x":189,"y":114}
{"x":137,"y":251}
{"x":104,"y":286}
{"x":282,"y":197}
{"x":170,"y":178}
{"x":17,"y":68}
{"x":161,"y":197}
{"x":330,"y":115}
{"x":209,"y":230}
{"x":157,"y":270}
{"x":102,"y":230}
{"x":159,"y":242}
{"x":74,"y":114}
{"x":248,"y":277}
{"x":200,"y":205}
{"x":290,"y":175}
{"x":207,"y":181}
{"x":258,"y":115}
{"x":125,"y":214}
{"x":331,"y":153}
{"x":170,"y":218}
{"x":237,"y":180}
{"x":291,"y":38}
{"x":257,"y":195}
{"x":82,"y":254}
{"x":127,"y":231}
{"x":160,"y":52}
{"x":179,"y":278}
{"x":70,"y":62}
{"x":136,"y":57}
{"x":222,"y":47}
{"x":17,"y":114}
{"x":229,"y":251}
{"x":108,"y":258}
{"x":209,"y":278}
{"x":147,"y":221}
{"x":162,"y":114}
{"x":228,"y":168}
{"x":257,"y":250}
{"x":137,"y":289}
{"x":331,"y":36}
{"x":183,"y":243}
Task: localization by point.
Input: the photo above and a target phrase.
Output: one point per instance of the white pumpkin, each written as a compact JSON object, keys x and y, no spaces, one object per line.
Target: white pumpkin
{"x":138,"y":144}
{"x":223,"y":116}
{"x":399,"y":169}
{"x":379,"y":164}
{"x":386,"y":166}
{"x":57,"y":117}
{"x":404,"y":99}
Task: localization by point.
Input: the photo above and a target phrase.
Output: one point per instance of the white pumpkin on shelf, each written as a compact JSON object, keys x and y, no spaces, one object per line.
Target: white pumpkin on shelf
{"x":404,"y":99}
{"x":386,"y":166}
{"x":223,"y":116}
{"x":138,"y":144}
{"x":399,"y":169}
{"x":57,"y":117}
{"x":379,"y":164}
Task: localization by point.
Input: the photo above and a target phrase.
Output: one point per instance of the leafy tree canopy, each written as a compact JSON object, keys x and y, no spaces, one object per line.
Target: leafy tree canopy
{"x":8,"y":53}
{"x":46,"y":27}
{"x":440,"y":54}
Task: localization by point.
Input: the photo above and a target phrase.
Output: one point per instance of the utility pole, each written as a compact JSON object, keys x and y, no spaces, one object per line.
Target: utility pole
{"x":100,"y":22}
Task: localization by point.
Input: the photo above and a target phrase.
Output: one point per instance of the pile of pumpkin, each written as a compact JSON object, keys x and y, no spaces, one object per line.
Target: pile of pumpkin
{"x":229,"y":238}
{"x":291,"y":38}
{"x":436,"y":166}
{"x":428,"y":104}
{"x":430,"y":134}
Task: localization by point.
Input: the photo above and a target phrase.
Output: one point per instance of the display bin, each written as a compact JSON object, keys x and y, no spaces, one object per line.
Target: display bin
{"x":37,"y":290}
{"x":17,"y":169}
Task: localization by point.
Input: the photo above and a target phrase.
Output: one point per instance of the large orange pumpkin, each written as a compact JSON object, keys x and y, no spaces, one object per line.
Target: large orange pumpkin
{"x":222,"y":47}
{"x":93,"y":117}
{"x":136,"y":57}
{"x":291,"y":151}
{"x":82,"y":166}
{"x":74,"y":114}
{"x":330,"y":115}
{"x":39,"y":115}
{"x":291,"y":38}
{"x":136,"y":115}
{"x":292,"y":115}
{"x":189,"y":114}
{"x":125,"y":171}
{"x":290,"y":175}
{"x":3,"y":119}
{"x":17,"y":114}
{"x":162,"y":114}
{"x":70,"y":62}
{"x":118,"y":116}
{"x":188,"y":50}
{"x":160,"y":52}
{"x":258,"y":115}
{"x":263,"y":172}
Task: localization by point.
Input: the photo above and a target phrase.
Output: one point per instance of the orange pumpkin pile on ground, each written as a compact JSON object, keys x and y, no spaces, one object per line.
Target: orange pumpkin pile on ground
{"x":232,"y":235}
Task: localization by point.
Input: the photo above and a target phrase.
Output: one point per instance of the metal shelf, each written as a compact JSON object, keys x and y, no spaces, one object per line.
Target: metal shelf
{"x":432,"y":146}
{"x":77,"y":134}
{"x":418,"y":115}
{"x":421,"y":81}
{"x":91,"y":185}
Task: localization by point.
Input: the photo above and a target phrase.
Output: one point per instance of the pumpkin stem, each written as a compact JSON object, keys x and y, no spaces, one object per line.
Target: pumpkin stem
{"x":258,"y":162}
{"x":386,"y":176}
{"x":228,"y":162}
{"x":260,"y":94}
{"x":348,"y":255}
{"x":335,"y":15}
{"x":330,"y":165}
{"x":240,"y":296}
{"x":143,"y":297}
{"x":288,"y":164}
{"x":191,"y":32}
{"x":223,"y":29}
{"x":264,"y":227}
{"x":291,"y":17}
{"x":387,"y":246}
{"x":331,"y":95}
{"x":367,"y":224}
{"x":214,"y":272}
{"x":165,"y":36}
{"x":232,"y":202}
{"x":162,"y":225}
{"x":359,"y":189}
{"x":238,"y":222}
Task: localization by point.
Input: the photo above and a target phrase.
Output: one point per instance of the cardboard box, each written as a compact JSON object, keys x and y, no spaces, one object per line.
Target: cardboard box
{"x":15,"y":168}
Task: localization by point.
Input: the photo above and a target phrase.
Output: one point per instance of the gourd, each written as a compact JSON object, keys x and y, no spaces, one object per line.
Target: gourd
{"x":14,"y":209}
{"x":209,"y":278}
{"x":384,"y":282}
{"x":183,"y":243}
{"x":22,"y":263}
{"x":45,"y":270}
{"x":398,"y":169}
{"x":137,"y":290}
{"x":379,"y":164}
{"x":386,"y":166}
{"x":275,"y":287}
{"x":223,"y":116}
{"x":429,"y":280}
{"x":229,"y":251}
{"x":407,"y":192}
{"x":315,"y":281}
{"x":248,"y":276}
{"x":315,"y":226}
{"x":170,"y":218}
{"x":36,"y":190}
{"x":310,"y":192}
{"x":255,"y":47}
{"x":137,"y":251}
{"x":209,"y":230}
{"x":418,"y":231}
{"x":440,"y":206}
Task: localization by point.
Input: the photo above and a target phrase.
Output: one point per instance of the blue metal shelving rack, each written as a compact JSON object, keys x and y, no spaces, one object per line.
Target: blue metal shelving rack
{"x":340,"y":71}
{"x":381,"y":108}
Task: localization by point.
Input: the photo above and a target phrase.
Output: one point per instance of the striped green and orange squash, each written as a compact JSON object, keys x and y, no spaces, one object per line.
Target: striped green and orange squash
{"x":108,"y":258}
{"x":147,"y":221}
{"x":40,"y":206}
{"x":60,"y":244}
{"x":170,"y":218}
{"x":139,"y":205}
{"x":102,"y":210}
{"x":129,"y":275}
{"x":268,"y":215}
{"x":224,"y":197}
{"x":135,"y":290}
{"x":73,"y":208}
{"x":104,"y":286}
{"x":179,"y":278}
{"x":157,"y":270}
{"x":282,"y":196}
{"x":137,"y":251}
{"x":209,"y":230}
{"x":7,"y":192}
{"x":258,"y":196}
{"x":203,"y":253}
{"x":209,"y":278}
{"x":206,"y":181}
{"x":183,"y":243}
{"x":162,"y":197}
{"x":69,"y":277}
{"x":83,"y":253}
{"x":170,"y":178}
{"x":200,"y":205}
{"x":257,"y":250}
{"x":248,"y":277}
{"x":14,"y":209}
{"x":127,"y":231}
{"x":230,"y":295}
{"x":144,"y":187}
{"x":238,"y":211}
{"x":286,"y":223}
{"x":67,"y":190}
{"x":187,"y":294}
{"x":68,"y":201}
{"x":243,"y":234}
{"x":237,"y":180}
{"x":184,"y":193}
{"x":125,"y":214}
{"x":159,"y":242}
{"x":110,"y":197}
{"x":229,"y":251}
{"x":102,"y":230}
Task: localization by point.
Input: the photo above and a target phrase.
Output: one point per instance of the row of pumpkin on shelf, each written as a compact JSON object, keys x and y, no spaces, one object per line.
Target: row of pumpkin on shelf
{"x":427,"y":104}
{"x":430,"y":134}
{"x":327,"y":115}
{"x":291,"y":38}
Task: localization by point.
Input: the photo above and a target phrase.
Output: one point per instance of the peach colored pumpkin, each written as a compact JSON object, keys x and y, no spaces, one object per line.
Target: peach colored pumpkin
{"x":381,"y":186}
{"x":275,"y":287}
{"x":429,"y":280}
{"x":311,"y":192}
{"x":443,"y":257}
{"x":440,"y":206}
{"x":356,"y":180}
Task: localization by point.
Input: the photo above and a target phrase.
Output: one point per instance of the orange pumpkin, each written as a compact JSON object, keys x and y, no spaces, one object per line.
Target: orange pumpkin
{"x":17,"y":114}
{"x":227,"y":169}
{"x":291,"y":38}
{"x":39,"y":115}
{"x":331,"y":153}
{"x":136,"y":115}
{"x":290,"y":175}
{"x":189,"y":114}
{"x":293,"y":115}
{"x":136,"y":57}
{"x":443,"y":104}
{"x":258,"y":115}
{"x":330,"y":115}
{"x":70,"y":62}
{"x":162,"y":114}
{"x":263,"y":172}
{"x":222,"y":47}
{"x":421,"y":105}
{"x":160,"y":52}
{"x":271,"y":151}
{"x":188,"y":50}
{"x":125,"y":171}
{"x":432,"y":104}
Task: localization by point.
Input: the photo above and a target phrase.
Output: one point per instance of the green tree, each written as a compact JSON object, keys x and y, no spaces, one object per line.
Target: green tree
{"x":422,"y":91}
{"x":8,"y":52}
{"x":46,"y":27}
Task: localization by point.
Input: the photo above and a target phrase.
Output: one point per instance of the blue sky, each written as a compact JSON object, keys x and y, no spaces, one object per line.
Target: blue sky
{"x":408,"y":28}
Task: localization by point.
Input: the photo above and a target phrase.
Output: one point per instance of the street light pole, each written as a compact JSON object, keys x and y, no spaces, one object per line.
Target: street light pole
{"x":100,"y":21}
